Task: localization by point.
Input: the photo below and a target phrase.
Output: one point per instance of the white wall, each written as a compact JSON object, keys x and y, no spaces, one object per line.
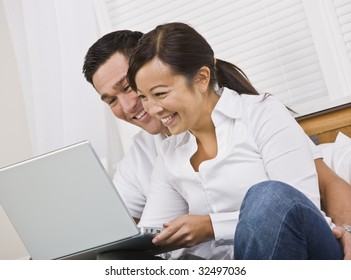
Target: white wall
{"x":14,"y":135}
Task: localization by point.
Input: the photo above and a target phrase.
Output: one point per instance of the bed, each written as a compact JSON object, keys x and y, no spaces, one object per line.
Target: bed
{"x":331,"y":130}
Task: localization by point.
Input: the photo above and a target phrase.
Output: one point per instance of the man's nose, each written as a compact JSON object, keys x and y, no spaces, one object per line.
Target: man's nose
{"x":128,"y":101}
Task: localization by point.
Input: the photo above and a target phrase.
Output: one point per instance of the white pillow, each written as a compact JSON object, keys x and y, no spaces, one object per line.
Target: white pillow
{"x":337,"y":156}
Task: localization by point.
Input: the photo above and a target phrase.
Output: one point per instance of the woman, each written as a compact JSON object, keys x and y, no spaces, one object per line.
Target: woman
{"x":226,"y":139}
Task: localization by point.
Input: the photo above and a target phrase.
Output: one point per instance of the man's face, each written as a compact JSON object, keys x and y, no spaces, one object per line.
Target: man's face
{"x":111,"y":84}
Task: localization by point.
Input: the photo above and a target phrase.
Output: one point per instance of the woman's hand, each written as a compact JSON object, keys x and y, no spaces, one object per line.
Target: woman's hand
{"x":345,"y":240}
{"x":185,"y":231}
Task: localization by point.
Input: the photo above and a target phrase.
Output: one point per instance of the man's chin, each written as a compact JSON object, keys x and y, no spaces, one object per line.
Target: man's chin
{"x":153,"y":130}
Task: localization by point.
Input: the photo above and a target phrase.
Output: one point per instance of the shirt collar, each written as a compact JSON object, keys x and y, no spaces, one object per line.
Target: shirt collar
{"x":229,"y":105}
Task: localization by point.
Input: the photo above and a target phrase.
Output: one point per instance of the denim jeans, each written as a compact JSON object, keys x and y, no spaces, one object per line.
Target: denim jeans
{"x":279,"y":222}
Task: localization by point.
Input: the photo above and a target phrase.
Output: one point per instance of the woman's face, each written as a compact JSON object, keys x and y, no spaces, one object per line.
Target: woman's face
{"x":168,"y":97}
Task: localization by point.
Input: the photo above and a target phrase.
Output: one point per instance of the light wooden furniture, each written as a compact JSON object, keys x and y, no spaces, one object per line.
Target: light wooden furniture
{"x":325,"y":125}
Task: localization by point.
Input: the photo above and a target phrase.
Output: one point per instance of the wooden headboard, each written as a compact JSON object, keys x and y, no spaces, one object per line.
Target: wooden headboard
{"x":324,"y":126}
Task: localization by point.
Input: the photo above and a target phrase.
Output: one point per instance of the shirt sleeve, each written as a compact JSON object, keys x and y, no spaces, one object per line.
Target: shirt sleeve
{"x":129,"y":188}
{"x":223,"y":226}
{"x":163,"y":203}
{"x":316,"y":151}
{"x":287,"y":153}
{"x":132,"y":175}
{"x":284,"y":147}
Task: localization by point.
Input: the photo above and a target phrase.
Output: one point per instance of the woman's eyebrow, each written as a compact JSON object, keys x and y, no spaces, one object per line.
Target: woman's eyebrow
{"x":156,"y":86}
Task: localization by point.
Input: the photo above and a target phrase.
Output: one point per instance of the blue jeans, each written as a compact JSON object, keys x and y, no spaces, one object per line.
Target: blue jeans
{"x":279,"y":222}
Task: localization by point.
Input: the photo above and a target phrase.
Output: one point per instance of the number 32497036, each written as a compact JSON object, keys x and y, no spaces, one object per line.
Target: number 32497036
{"x":221,"y":270}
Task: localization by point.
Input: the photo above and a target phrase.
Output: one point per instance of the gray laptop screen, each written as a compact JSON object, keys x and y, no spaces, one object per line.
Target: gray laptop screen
{"x":63,"y":202}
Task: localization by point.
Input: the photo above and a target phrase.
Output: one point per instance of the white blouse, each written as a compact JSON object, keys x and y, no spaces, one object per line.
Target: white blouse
{"x":132,"y":180}
{"x":258,"y":140}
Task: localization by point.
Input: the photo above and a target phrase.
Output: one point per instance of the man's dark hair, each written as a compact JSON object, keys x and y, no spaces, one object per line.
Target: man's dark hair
{"x":122,"y":41}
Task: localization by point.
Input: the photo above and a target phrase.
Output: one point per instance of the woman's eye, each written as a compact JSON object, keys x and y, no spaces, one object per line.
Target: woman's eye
{"x":159,"y":94}
{"x":142,"y":97}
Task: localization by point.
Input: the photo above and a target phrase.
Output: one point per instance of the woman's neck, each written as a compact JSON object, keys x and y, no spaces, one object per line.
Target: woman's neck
{"x":205,"y":135}
{"x":205,"y":126}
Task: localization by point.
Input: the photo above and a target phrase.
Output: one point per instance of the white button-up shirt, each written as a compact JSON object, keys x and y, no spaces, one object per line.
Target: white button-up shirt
{"x":133,"y":172}
{"x":258,"y":140}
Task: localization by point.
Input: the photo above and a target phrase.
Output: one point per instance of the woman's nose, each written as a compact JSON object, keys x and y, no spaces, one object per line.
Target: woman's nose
{"x":152,"y":107}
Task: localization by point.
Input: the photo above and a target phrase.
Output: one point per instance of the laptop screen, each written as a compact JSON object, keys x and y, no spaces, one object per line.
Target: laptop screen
{"x":63,"y":202}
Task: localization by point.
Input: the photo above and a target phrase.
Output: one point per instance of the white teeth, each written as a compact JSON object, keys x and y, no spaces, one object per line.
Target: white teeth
{"x":167,"y":119}
{"x":140,"y":115}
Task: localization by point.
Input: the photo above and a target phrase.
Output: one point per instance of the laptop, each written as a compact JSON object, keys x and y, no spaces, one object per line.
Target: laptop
{"x":64,"y":205}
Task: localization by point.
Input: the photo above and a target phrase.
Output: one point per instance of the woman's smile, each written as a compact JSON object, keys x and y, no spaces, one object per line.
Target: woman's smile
{"x":168,"y":120}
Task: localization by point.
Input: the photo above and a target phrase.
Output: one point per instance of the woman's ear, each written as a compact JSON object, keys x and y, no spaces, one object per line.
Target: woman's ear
{"x":202,"y":78}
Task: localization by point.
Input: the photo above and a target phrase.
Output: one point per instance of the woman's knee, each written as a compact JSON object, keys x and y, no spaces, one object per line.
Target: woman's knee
{"x":269,"y":190}
{"x":268,"y":196}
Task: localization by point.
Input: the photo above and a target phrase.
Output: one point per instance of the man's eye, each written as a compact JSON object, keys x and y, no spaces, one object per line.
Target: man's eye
{"x":127,"y":89}
{"x":112,"y":102}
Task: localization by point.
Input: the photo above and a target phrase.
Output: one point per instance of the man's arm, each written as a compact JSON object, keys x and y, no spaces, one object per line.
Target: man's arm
{"x":336,"y":202}
{"x":335,"y":194}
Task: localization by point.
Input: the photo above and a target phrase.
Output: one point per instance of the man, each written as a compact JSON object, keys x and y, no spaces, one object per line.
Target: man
{"x":105,"y":67}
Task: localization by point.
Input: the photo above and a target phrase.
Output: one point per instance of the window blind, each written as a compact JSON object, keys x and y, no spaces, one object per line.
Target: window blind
{"x":343,"y":12}
{"x":270,"y":40}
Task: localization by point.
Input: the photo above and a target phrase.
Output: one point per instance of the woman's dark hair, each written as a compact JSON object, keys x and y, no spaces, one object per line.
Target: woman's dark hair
{"x":122,"y":41}
{"x":185,"y":51}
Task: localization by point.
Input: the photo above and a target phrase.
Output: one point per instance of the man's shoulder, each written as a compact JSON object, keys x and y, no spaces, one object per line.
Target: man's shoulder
{"x":140,"y":157}
{"x":145,"y":145}
{"x":144,"y":139}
